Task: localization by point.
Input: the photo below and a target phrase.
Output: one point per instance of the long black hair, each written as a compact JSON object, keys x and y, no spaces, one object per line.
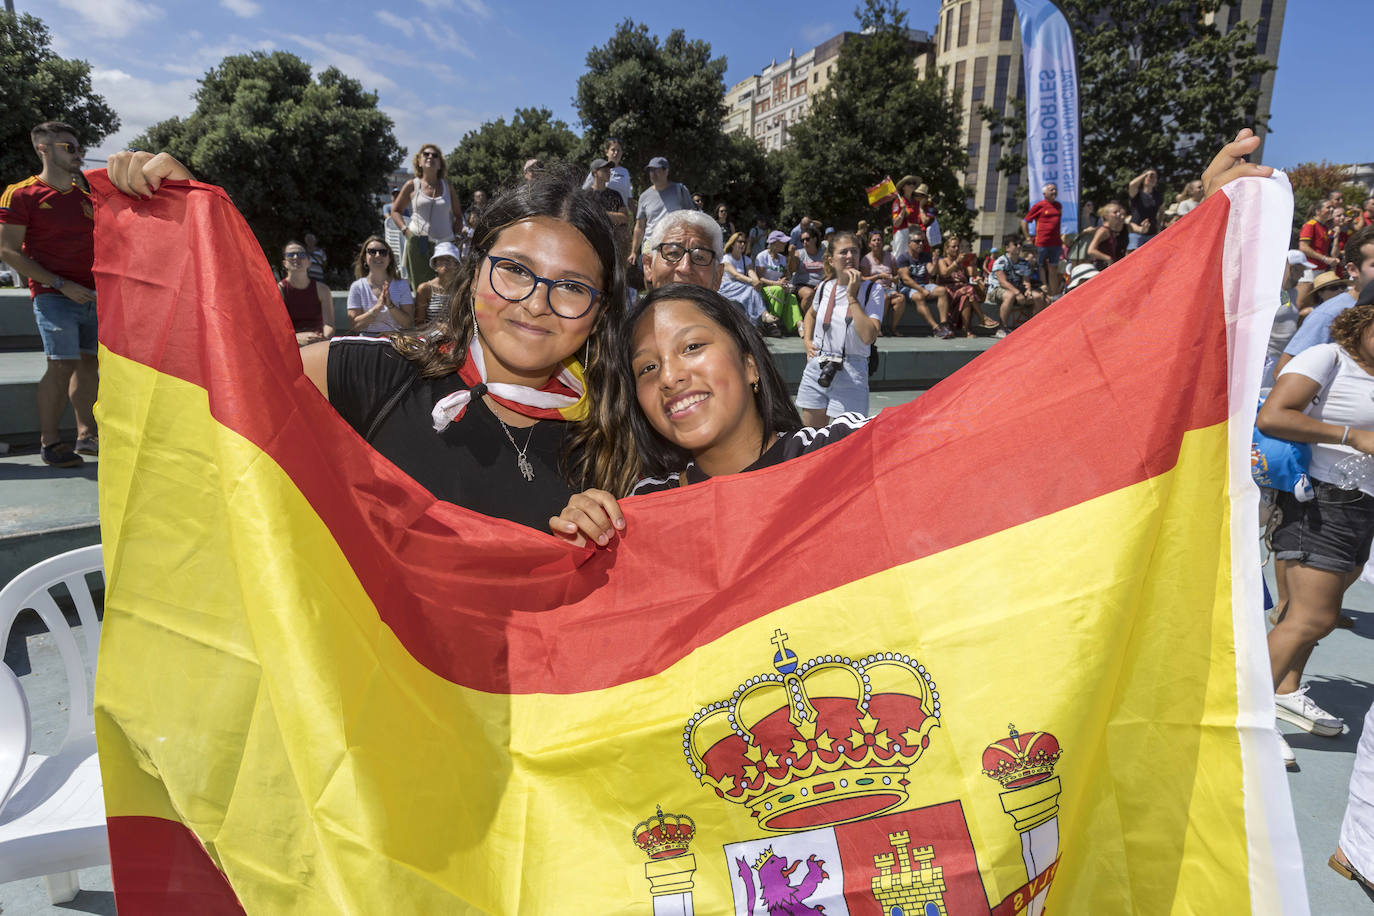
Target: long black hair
{"x":779,"y":415}
{"x":594,"y":456}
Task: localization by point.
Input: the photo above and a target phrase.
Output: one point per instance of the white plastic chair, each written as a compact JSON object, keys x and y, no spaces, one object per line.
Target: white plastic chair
{"x":52,"y":812}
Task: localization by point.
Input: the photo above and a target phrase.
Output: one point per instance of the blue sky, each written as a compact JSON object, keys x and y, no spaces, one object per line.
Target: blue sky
{"x":442,"y":67}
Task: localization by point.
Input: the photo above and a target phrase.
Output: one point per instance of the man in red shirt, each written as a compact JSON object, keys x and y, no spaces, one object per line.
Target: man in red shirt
{"x":1314,"y":241}
{"x":1046,"y":215}
{"x":47,"y":234}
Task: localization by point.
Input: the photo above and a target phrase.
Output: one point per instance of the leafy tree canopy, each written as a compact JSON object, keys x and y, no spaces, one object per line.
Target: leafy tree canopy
{"x":39,"y":86}
{"x":877,"y":118}
{"x":297,"y":154}
{"x":1158,"y":87}
{"x":493,"y":155}
{"x":660,"y":98}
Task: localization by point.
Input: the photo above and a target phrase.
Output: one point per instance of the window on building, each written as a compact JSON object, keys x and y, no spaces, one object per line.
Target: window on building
{"x":985,"y":8}
{"x":1008,"y":18}
{"x":958,"y":87}
{"x":963,"y":22}
{"x":945,"y":26}
{"x":999,"y":86}
{"x":980,"y":79}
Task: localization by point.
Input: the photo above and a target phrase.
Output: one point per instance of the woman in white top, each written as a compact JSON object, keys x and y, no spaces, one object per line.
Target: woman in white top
{"x":739,"y":283}
{"x":1324,"y":396}
{"x":379,"y":301}
{"x":435,"y":215}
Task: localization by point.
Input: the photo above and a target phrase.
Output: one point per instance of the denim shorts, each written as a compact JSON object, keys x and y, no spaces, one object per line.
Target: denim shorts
{"x":1332,"y":532}
{"x":848,"y":391}
{"x":1047,"y":255}
{"x":68,"y":328}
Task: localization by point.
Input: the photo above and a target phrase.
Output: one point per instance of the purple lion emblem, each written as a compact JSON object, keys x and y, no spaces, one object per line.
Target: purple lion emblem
{"x":775,"y":887}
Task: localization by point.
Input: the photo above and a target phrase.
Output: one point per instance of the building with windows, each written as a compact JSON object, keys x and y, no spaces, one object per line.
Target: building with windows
{"x":977,"y":45}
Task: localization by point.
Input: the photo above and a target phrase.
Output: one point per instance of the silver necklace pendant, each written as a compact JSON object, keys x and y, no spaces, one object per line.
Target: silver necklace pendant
{"x":525,"y":467}
{"x":523,"y":463}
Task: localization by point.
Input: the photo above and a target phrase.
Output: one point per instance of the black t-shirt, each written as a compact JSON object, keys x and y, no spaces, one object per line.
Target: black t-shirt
{"x":1145,"y":205}
{"x":471,"y":463}
{"x":806,"y":439}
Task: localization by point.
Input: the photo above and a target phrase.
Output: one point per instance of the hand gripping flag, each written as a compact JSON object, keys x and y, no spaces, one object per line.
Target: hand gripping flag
{"x":852,"y":681}
{"x":883,"y":191}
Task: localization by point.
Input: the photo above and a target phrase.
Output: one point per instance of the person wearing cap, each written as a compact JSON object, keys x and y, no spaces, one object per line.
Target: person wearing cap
{"x":1316,"y":327}
{"x":905,"y":212}
{"x":775,"y":268}
{"x":619,"y":181}
{"x":611,"y":201}
{"x":432,"y":298}
{"x":1046,"y":214}
{"x":660,"y":199}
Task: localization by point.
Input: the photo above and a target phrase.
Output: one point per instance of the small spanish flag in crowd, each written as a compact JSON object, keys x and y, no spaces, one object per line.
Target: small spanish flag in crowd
{"x":883,"y":191}
{"x":851,"y":681}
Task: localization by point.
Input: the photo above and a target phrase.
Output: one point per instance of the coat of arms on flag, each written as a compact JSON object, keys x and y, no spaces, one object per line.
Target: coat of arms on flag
{"x":838,"y":682}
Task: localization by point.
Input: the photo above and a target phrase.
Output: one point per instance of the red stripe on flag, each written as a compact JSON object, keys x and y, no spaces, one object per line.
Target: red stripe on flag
{"x":160,"y":868}
{"x":1092,"y":396}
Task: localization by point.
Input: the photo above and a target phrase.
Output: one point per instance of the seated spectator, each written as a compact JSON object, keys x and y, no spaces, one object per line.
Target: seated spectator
{"x":698,"y":202}
{"x":1192,"y":196}
{"x":740,"y":284}
{"x":317,"y":256}
{"x":727,"y":225}
{"x":432,"y":298}
{"x":880,"y":267}
{"x":1011,"y":288}
{"x":794,"y":238}
{"x":479,"y":203}
{"x":308,"y":301}
{"x":810,"y":260}
{"x":913,"y":282}
{"x":1111,"y":238}
{"x":379,"y":301}
{"x":964,"y":296}
{"x":775,"y":269}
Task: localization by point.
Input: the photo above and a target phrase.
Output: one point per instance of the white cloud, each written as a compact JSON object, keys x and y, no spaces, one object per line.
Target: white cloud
{"x":405,"y":26}
{"x":112,"y":18}
{"x":245,"y":8}
{"x":478,"y":8}
{"x":445,"y":36}
{"x":355,"y":55}
{"x":206,"y":56}
{"x":140,"y":104}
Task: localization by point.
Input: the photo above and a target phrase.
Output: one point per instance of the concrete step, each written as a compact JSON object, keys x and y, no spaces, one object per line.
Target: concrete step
{"x":904,"y":363}
{"x":44,"y":511}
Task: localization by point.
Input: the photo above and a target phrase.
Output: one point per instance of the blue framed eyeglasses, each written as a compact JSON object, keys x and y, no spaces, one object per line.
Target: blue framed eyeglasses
{"x":515,"y":282}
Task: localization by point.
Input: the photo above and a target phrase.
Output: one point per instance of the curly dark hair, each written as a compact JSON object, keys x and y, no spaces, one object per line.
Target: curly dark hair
{"x":1349,"y":327}
{"x":593,"y":455}
{"x":656,"y":454}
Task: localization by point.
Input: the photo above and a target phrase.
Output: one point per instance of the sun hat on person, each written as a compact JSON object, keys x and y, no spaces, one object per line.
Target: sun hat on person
{"x":778,"y":236}
{"x":1296,"y":257}
{"x":906,"y":180}
{"x":1327,"y":279}
{"x":445,"y":250}
{"x":922,"y":190}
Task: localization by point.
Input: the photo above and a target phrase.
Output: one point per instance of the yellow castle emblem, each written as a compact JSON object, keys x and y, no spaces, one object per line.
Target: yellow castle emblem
{"x":909,"y":882}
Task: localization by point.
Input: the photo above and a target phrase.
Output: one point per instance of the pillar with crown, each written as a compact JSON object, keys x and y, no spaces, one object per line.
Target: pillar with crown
{"x":665,"y":838}
{"x":1024,"y":763}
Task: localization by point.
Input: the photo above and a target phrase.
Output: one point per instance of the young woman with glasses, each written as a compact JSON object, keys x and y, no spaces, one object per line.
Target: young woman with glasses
{"x":308,"y":301}
{"x":379,"y":301}
{"x":490,"y":407}
{"x":435,"y":214}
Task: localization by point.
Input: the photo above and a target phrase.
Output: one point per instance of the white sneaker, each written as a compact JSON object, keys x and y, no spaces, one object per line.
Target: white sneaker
{"x":1297,"y":708}
{"x":1290,"y":760}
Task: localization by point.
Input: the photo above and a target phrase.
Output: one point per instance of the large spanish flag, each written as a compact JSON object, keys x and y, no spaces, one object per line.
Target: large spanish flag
{"x":998,"y":652}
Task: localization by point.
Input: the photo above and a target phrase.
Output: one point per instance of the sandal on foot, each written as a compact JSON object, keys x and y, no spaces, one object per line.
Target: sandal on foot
{"x":1345,"y":870}
{"x":60,"y":455}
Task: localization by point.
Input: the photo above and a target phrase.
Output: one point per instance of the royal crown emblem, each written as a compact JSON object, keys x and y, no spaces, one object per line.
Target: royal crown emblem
{"x":816,"y":743}
{"x":1022,"y":759}
{"x":664,"y":836}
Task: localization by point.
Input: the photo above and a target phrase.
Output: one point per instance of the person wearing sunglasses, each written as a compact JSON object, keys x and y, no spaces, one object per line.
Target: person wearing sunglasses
{"x":47,"y":234}
{"x":435,"y":214}
{"x":308,"y":301}
{"x":379,"y":301}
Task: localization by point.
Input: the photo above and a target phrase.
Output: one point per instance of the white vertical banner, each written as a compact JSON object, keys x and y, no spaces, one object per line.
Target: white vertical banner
{"x":1051,"y":81}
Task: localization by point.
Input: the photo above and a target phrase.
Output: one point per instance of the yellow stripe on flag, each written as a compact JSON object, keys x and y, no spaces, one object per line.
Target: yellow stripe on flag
{"x":347,"y":777}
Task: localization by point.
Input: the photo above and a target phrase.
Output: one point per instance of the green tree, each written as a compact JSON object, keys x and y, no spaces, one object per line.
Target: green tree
{"x":1158,"y":87}
{"x":661,"y":98}
{"x":1312,"y":181}
{"x":297,"y":154}
{"x":878,"y":117}
{"x":493,"y":155}
{"x":39,"y":86}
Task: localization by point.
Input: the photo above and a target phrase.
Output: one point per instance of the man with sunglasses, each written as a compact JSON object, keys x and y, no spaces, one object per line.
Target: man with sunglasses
{"x":47,"y":231}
